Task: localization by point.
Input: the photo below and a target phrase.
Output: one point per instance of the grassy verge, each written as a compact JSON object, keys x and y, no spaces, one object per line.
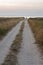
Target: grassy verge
{"x":37,"y":27}
{"x":11,"y":58}
{"x":7,"y":23}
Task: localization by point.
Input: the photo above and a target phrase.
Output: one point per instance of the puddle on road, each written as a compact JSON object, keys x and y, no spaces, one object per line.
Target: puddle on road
{"x":29,"y":54}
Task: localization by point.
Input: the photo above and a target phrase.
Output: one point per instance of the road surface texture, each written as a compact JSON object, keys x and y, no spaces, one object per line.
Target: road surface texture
{"x":28,"y":54}
{"x":7,"y":41}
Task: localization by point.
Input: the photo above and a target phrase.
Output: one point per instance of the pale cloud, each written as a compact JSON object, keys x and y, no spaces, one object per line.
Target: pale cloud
{"x":22,"y":4}
{"x":21,"y":7}
{"x":17,"y":2}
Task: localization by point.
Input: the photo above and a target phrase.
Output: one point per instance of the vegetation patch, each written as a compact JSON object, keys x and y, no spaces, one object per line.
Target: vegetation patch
{"x":11,"y":58}
{"x":37,"y":27}
{"x":6,"y":24}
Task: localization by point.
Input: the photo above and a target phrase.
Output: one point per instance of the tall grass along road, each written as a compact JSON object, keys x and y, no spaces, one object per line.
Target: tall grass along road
{"x":7,"y":41}
{"x":37,"y":27}
{"x":6,"y":24}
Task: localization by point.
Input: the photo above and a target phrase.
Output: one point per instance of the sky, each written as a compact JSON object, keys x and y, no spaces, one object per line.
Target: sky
{"x":21,"y":7}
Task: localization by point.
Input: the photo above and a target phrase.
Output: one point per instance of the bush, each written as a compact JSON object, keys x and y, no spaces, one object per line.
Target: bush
{"x":2,"y":31}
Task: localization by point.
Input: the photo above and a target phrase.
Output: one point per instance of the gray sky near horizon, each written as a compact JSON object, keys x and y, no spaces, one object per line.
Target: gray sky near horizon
{"x":21,"y":7}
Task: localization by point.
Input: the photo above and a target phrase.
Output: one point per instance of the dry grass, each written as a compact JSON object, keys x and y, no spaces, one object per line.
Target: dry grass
{"x":11,"y":58}
{"x":37,"y":27}
{"x":7,"y":23}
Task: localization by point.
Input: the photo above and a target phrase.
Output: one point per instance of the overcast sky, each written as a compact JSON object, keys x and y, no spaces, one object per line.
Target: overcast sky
{"x":21,"y":7}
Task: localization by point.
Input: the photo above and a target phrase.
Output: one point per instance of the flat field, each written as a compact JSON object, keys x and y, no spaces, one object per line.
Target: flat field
{"x":37,"y":28}
{"x":6,"y":24}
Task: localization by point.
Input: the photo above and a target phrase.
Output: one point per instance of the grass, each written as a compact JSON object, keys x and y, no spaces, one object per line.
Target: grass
{"x":11,"y":58}
{"x":37,"y":27}
{"x":6,"y":24}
